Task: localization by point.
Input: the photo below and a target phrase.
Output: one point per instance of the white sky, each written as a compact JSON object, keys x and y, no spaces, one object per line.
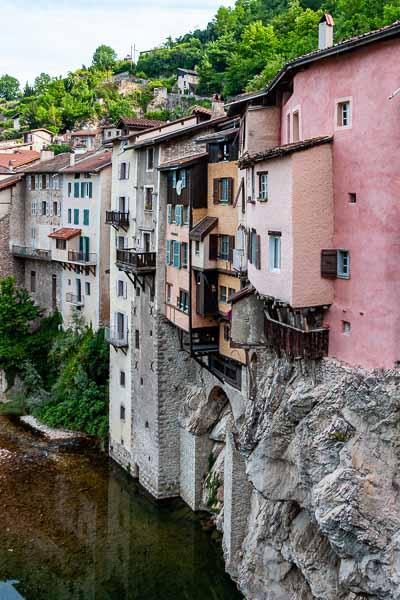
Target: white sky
{"x":56,"y":36}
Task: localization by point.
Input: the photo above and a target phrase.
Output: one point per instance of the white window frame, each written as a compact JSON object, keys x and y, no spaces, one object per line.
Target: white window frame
{"x":338,"y":102}
{"x":148,"y":169}
{"x":342,"y":257}
{"x":275,"y":253}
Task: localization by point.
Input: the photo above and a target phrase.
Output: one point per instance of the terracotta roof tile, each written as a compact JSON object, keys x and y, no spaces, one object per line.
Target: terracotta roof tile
{"x":95,"y":162}
{"x":9,"y":181}
{"x":53,"y":165}
{"x":248,"y":160}
{"x":65,"y":233}
{"x":82,"y":132}
{"x":18,"y":158}
{"x":182,"y":162}
{"x":201,"y":110}
{"x":203,"y":228}
{"x":141,"y":123}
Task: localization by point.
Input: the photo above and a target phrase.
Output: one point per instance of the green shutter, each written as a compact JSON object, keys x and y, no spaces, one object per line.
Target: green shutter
{"x":169,"y":213}
{"x":69,"y":189}
{"x":86,"y":216}
{"x":76,"y":189}
{"x":177,"y":254}
{"x":168,"y":261}
{"x":183,"y":178}
{"x":76,"y":216}
{"x":90,"y":189}
{"x":178,"y":214}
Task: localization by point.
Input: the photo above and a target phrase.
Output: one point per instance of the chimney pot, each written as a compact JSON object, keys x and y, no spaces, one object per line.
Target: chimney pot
{"x":325,"y":32}
{"x":71,"y":159}
{"x":217,"y":106}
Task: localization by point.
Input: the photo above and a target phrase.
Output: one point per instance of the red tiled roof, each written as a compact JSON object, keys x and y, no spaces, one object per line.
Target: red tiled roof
{"x":95,"y":162}
{"x":203,"y":228}
{"x":248,"y":160}
{"x":141,"y":123}
{"x":202,"y":110}
{"x":65,"y":233}
{"x":53,"y":165}
{"x":18,"y":158}
{"x":9,"y":181}
{"x":182,"y":162}
{"x":82,"y":132}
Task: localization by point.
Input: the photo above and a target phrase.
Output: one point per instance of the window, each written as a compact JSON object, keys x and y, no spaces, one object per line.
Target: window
{"x":122,"y":412}
{"x":122,"y":378}
{"x":120,"y":326}
{"x":288,"y":128}
{"x":44,"y":182}
{"x":263,"y":186}
{"x":346,"y":327}
{"x":55,"y":208}
{"x":61,"y":244}
{"x":343,"y":264}
{"x":224,"y":247}
{"x":34,"y":208}
{"x":33,"y":281}
{"x":148,"y":199}
{"x":178,"y":214}
{"x":274,"y":252}
{"x":137,"y":339}
{"x":33,"y":182}
{"x":70,"y":215}
{"x":185,"y":215}
{"x":86,"y":216}
{"x":76,"y":216}
{"x":150,"y":159}
{"x":76,"y":189}
{"x":296,"y":126}
{"x":56,"y":182}
{"x":169,"y":293}
{"x":87,"y":175}
{"x":120,"y":288}
{"x":124,"y":170}
{"x":176,"y":254}
{"x":183,"y":301}
{"x":69,"y":189}
{"x":344,"y":114}
{"x":44,"y":208}
{"x":197,"y":248}
{"x":184,"y":261}
{"x":223,"y":294}
{"x":352,"y":198}
{"x":223,"y":190}
{"x":77,"y":176}
{"x":231,"y":292}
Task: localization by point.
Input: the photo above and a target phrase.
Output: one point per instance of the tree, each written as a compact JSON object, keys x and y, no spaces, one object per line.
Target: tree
{"x":9,"y":87}
{"x":104,"y":58}
{"x":17,"y":313}
{"x":42,"y":83}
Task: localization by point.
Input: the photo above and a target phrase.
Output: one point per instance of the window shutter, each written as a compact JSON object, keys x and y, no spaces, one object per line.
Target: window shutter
{"x":59,"y":209}
{"x":120,"y":171}
{"x":258,"y":252}
{"x":28,"y":183}
{"x":127,"y":170}
{"x":213,"y":153}
{"x":69,"y":189}
{"x":47,"y":209}
{"x":76,"y":189}
{"x":178,"y":214}
{"x":48,"y":182}
{"x":231,"y":247}
{"x":182,"y":256}
{"x":329,"y":263}
{"x":90,"y":184}
{"x":169,"y":213}
{"x":213,"y":247}
{"x":216,"y":191}
{"x":168,"y":260}
{"x":230,"y":190}
{"x":249,"y":245}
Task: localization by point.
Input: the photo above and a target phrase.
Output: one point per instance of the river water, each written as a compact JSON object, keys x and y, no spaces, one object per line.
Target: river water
{"x":74,"y":526}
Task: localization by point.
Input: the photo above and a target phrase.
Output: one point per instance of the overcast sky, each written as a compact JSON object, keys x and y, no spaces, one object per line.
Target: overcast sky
{"x":57,"y":36}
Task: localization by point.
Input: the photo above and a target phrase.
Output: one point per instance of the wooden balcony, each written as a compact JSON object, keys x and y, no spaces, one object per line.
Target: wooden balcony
{"x":117,"y":219}
{"x":29,"y":252}
{"x":136,"y":262}
{"x":117,"y":338}
{"x":205,"y":340}
{"x":82,"y":258}
{"x":294,"y":342}
{"x":76,"y":300}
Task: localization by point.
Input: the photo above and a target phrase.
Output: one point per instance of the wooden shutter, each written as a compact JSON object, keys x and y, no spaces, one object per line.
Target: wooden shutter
{"x":213,"y":153}
{"x":258,"y":252}
{"x":230,"y":190}
{"x":231,"y":247}
{"x":239,"y":191}
{"x":329,"y":263}
{"x":169,"y":213}
{"x":178,"y":214}
{"x":213,"y":247}
{"x":216,"y":191}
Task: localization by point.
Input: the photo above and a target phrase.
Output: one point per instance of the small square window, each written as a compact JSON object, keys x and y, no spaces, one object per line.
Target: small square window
{"x":346,"y":327}
{"x":122,"y":378}
{"x":137,"y":339}
{"x":344,"y":114}
{"x":343,"y":264}
{"x":120,"y":288}
{"x":274,"y":253}
{"x":352,"y":198}
{"x":87,"y":288}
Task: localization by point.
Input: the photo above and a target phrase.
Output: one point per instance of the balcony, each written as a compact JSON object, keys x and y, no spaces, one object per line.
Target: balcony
{"x":239,"y":261}
{"x":116,"y":337}
{"x":136,"y":262}
{"x":226,"y":368}
{"x":205,"y":340}
{"x":82,"y":258}
{"x":117,"y":218}
{"x":75,"y":299}
{"x":294,"y":342}
{"x":29,"y":252}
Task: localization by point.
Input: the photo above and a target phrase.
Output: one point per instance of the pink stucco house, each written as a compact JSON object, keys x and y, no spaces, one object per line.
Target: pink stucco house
{"x":321,"y":165}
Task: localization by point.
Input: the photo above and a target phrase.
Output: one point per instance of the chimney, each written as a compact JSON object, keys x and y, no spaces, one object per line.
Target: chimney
{"x":325,"y":32}
{"x":46,"y":155}
{"x":72,"y":159}
{"x":217,"y":106}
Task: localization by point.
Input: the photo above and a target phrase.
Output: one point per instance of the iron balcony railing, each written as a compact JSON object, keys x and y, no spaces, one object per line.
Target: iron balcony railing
{"x":136,"y":261}
{"x":118,"y":338}
{"x":30,"y":252}
{"x":86,"y":258}
{"x":76,"y":299}
{"x":117,"y":218}
{"x":239,"y":261}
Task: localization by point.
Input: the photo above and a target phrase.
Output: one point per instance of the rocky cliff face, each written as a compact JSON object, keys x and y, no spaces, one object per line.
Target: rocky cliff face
{"x":321,"y":446}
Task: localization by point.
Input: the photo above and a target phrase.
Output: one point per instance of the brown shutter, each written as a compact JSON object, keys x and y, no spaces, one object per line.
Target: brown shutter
{"x":213,"y":254}
{"x":230,"y":190}
{"x":329,"y":263}
{"x":216,"y":191}
{"x":231,"y":247}
{"x":258,"y":252}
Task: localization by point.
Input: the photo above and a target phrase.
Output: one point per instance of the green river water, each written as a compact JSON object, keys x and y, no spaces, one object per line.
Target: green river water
{"x":74,"y":526}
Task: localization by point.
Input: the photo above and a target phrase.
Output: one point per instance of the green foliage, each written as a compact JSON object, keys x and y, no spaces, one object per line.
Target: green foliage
{"x":104,"y":58}
{"x":9,"y":87}
{"x":213,"y":483}
{"x":59,"y":148}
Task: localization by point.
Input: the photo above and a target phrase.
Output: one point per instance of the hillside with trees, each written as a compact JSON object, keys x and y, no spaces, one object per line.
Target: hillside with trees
{"x":240,"y":50}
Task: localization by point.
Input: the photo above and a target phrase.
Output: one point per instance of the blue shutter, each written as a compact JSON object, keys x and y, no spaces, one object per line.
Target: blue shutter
{"x":76,"y":189}
{"x":76,"y":216}
{"x":86,"y":216}
{"x":90,"y":189}
{"x":178,"y":214}
{"x":177,"y":254}
{"x":183,"y":178}
{"x":174,"y":179}
{"x":169,"y":213}
{"x":168,"y":261}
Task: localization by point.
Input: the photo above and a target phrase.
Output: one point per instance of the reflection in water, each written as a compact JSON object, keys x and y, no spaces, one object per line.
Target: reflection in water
{"x":75,"y":527}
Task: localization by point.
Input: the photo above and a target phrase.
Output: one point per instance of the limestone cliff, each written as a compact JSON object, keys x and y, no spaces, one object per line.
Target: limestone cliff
{"x":321,"y":445}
